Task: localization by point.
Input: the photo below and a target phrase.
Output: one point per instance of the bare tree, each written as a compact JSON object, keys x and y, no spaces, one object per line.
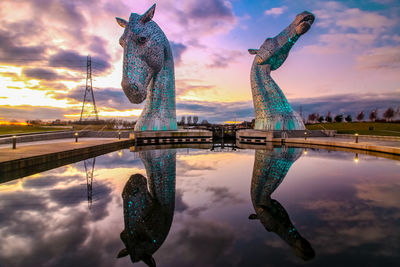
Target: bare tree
{"x":348,"y":118}
{"x":312,"y":117}
{"x":328,"y":117}
{"x":389,"y":114}
{"x":372,"y":115}
{"x":339,"y":118}
{"x":360,"y":116}
{"x":182,"y":122}
{"x":195,"y":119}
{"x":189,"y":120}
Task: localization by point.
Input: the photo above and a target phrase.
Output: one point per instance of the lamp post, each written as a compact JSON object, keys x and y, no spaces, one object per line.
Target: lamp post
{"x":76,"y":137}
{"x":356,"y":135}
{"x":305,"y":135}
{"x":356,"y":158}
{"x":14,"y":142}
{"x":119,"y":135}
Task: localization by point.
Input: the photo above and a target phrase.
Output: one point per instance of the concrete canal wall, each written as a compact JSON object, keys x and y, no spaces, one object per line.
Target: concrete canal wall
{"x":26,"y":160}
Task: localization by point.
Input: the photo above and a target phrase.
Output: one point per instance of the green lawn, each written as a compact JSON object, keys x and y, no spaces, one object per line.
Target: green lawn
{"x":362,"y":128}
{"x":15,"y":129}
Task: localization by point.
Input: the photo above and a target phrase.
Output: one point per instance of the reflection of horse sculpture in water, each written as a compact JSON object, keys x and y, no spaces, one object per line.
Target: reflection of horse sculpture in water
{"x":270,"y":168}
{"x":148,"y":70}
{"x":149,"y":206}
{"x":272,"y":110}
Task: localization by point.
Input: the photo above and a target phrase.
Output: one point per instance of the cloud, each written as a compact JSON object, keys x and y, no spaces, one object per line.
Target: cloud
{"x":380,"y":58}
{"x":11,"y":53}
{"x":222,"y":194}
{"x":189,"y":168}
{"x":35,"y":223}
{"x":275,"y":11}
{"x":184,"y":87}
{"x":22,"y":113}
{"x":73,"y":60}
{"x":178,"y":49}
{"x":113,"y":98}
{"x":98,"y":47}
{"x":216,"y":112}
{"x":214,"y":9}
{"x":180,"y":205}
{"x":197,"y":19}
{"x":348,"y":103}
{"x":66,"y":16}
{"x":222,"y":59}
{"x":46,"y":74}
{"x":348,"y":30}
{"x":200,"y":243}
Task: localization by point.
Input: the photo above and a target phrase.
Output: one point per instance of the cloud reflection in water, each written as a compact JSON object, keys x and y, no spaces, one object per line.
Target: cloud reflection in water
{"x":348,"y":212}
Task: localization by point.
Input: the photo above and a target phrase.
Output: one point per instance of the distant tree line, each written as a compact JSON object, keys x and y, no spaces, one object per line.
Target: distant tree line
{"x":388,"y":115}
{"x":110,"y":123}
{"x":187,"y":120}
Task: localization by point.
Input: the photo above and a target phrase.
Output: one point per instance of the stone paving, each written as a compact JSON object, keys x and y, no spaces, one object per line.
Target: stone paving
{"x":26,"y":150}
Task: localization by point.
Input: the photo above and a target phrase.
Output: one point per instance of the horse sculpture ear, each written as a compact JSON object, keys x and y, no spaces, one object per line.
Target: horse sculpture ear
{"x":122,"y":22}
{"x":253,"y":51}
{"x":123,"y":253}
{"x":148,"y":15}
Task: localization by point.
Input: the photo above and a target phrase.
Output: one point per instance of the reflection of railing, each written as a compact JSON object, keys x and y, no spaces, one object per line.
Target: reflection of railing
{"x":101,"y":130}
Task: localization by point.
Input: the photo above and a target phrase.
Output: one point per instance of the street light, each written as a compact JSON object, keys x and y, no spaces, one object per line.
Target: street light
{"x":76,"y":137}
{"x":305,"y":135}
{"x":14,"y":142}
{"x":119,"y":135}
{"x":356,"y":158}
{"x":356,"y":135}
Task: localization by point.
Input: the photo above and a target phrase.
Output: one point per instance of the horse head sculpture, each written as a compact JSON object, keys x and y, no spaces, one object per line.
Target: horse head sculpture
{"x":148,"y":71}
{"x":272,"y":110}
{"x":270,"y":168}
{"x":149,"y":206}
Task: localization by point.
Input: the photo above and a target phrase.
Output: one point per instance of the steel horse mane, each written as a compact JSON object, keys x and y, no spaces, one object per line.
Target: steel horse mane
{"x":148,"y":71}
{"x":272,"y":110}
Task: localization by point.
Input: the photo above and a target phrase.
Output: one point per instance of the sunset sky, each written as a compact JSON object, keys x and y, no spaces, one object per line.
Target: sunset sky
{"x":348,"y":61}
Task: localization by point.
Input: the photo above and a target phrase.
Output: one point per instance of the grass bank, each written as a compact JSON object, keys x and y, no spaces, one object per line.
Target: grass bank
{"x":16,"y":129}
{"x":362,"y":128}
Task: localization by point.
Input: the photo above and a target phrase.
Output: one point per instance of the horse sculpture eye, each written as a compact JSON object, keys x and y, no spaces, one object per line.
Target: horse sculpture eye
{"x":142,"y":40}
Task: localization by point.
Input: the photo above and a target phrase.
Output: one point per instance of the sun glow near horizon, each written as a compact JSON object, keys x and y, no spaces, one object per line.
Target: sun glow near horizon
{"x":42,"y":73}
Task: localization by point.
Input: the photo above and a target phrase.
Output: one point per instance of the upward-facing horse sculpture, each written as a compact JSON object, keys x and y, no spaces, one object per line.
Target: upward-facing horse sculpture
{"x":272,"y":110}
{"x":270,"y":168}
{"x":148,"y":71}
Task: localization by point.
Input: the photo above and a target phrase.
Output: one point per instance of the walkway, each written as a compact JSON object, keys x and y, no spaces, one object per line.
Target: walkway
{"x":49,"y":154}
{"x":385,"y":146}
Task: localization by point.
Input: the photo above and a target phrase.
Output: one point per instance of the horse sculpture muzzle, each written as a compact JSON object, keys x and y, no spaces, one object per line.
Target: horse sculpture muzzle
{"x":136,"y":76}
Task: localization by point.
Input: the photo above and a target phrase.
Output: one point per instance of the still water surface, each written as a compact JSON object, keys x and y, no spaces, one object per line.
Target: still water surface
{"x":279,"y":207}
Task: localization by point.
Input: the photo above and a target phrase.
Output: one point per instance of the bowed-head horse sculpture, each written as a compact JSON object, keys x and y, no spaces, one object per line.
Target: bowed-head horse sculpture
{"x":148,"y":71}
